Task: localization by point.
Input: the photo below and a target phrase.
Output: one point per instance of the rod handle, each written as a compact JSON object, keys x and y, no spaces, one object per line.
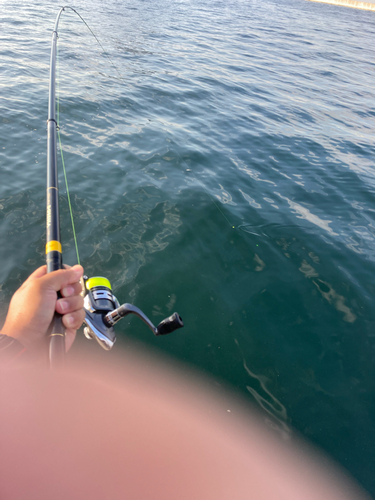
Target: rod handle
{"x":56,"y":336}
{"x":57,"y":343}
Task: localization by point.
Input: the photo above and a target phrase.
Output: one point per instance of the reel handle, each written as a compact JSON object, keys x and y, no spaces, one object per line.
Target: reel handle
{"x":169,"y":325}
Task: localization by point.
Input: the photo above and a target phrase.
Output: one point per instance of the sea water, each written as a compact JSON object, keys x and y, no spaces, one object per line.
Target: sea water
{"x":220,"y":158}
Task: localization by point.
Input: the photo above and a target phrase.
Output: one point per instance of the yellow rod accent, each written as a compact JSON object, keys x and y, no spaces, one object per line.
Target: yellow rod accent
{"x":53,"y":246}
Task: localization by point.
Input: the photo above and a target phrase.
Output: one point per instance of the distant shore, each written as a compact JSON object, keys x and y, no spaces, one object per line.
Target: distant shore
{"x":349,"y":3}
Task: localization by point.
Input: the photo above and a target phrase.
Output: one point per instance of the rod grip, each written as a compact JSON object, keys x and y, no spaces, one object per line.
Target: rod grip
{"x":56,"y":336}
{"x":57,"y":343}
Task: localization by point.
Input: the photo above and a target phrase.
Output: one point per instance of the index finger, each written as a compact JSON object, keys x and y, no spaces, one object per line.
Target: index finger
{"x":63,"y":277}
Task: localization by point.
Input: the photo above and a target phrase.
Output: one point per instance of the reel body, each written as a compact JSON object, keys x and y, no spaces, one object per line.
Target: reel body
{"x":103,"y":311}
{"x":99,"y":301}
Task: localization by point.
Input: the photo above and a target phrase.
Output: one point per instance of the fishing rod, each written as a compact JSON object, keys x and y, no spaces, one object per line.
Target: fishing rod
{"x":53,"y":238}
{"x":102,"y":308}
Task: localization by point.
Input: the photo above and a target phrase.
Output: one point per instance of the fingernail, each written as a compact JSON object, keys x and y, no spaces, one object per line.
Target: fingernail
{"x":70,"y":319}
{"x":78,"y":270}
{"x":68,"y":291}
{"x":64,"y":305}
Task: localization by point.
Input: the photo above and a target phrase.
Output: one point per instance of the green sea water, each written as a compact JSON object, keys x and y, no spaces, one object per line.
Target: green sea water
{"x":221,"y":165}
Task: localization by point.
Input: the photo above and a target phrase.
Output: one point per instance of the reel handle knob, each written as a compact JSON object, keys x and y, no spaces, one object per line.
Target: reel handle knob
{"x":169,"y":325}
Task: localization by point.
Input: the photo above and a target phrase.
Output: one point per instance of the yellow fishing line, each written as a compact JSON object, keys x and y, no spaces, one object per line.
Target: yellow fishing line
{"x":62,"y":155}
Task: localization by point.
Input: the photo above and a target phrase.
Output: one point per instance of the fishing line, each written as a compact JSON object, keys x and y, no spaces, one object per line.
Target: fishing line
{"x":62,"y":155}
{"x":96,"y":38}
{"x":58,"y":122}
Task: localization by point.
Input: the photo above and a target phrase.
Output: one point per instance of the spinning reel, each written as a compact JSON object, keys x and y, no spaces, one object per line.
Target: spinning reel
{"x":103,"y":311}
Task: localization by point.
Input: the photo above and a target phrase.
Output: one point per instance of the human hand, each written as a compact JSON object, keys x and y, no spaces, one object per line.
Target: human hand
{"x":33,"y":306}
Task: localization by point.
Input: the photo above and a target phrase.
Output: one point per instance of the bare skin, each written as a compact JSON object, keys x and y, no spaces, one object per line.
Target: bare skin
{"x":122,"y":426}
{"x":33,"y":305}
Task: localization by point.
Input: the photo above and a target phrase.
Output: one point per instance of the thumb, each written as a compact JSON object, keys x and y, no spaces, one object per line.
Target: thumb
{"x":57,"y":280}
